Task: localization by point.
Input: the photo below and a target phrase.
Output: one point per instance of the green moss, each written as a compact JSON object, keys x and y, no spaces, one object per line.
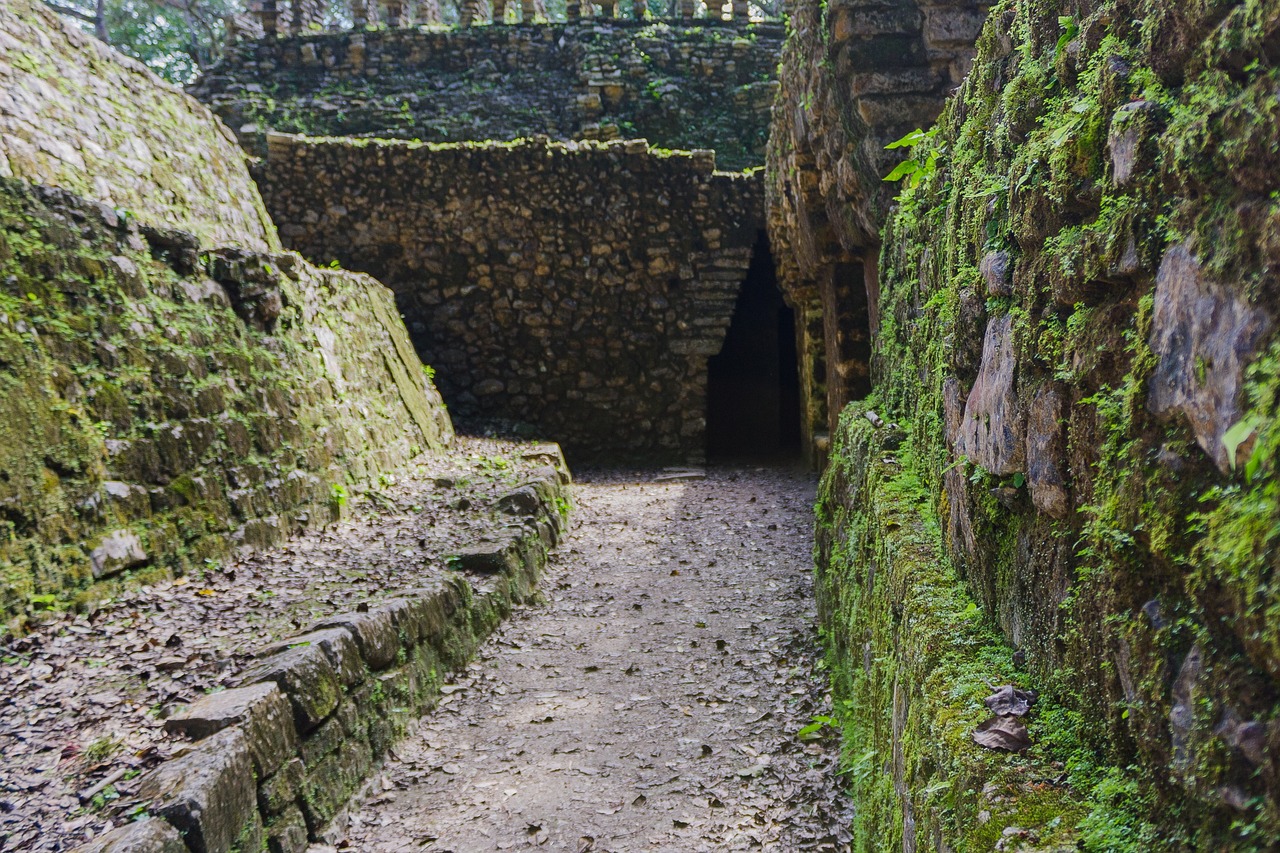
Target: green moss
{"x":127,"y":403}
{"x":1157,"y":556}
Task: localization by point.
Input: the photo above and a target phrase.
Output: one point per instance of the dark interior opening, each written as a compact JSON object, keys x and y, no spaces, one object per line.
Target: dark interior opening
{"x":753,"y":384}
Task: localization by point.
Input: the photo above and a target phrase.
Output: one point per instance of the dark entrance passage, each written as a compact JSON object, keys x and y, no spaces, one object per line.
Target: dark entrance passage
{"x":753,"y":386}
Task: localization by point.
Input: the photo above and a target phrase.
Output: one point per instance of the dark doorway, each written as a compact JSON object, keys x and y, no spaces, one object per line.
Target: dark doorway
{"x":753,"y":384}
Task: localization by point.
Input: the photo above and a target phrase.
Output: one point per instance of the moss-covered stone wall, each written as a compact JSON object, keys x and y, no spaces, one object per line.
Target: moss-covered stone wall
{"x":708,"y":85}
{"x":856,"y":75}
{"x":163,"y":402}
{"x":1077,"y":305}
{"x":577,"y":289}
{"x":75,"y":114}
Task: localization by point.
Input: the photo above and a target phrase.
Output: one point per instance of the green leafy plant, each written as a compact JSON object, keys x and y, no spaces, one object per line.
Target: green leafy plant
{"x":1070,"y":29}
{"x":813,"y":731}
{"x":914,"y":169}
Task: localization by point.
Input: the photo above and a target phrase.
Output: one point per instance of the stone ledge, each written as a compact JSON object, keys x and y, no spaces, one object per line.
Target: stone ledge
{"x":277,"y":757}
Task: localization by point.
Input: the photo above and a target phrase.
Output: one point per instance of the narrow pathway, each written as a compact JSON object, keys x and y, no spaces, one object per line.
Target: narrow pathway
{"x":653,"y":703}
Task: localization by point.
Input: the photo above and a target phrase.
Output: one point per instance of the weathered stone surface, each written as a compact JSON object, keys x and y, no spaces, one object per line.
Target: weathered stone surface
{"x":181,"y":468}
{"x":261,"y":711}
{"x":279,"y":792}
{"x":76,"y":114}
{"x":119,"y":550}
{"x":374,"y":632}
{"x":997,"y":272}
{"x":679,"y":87}
{"x":487,"y":558}
{"x":521,"y":282}
{"x":332,"y":781}
{"x":149,"y":835}
{"x":1204,"y":336}
{"x":1046,"y":452}
{"x":991,"y":434}
{"x":521,"y":501}
{"x":306,"y":677}
{"x":338,"y":645}
{"x":208,"y":794}
{"x":288,"y":832}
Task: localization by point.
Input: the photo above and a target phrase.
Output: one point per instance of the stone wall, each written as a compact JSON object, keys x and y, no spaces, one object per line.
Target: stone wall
{"x":576,"y":288}
{"x":162,"y":402}
{"x":1076,"y":329}
{"x":685,"y":87}
{"x":75,"y":114}
{"x":278,"y":756}
{"x":856,"y":76}
{"x":172,"y":384}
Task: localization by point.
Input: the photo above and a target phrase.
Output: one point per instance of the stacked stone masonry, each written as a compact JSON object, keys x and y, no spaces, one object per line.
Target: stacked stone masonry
{"x":162,"y":403}
{"x":77,"y":115}
{"x":706,"y":86}
{"x":277,"y":757}
{"x":857,"y":75}
{"x":1075,"y":323}
{"x":166,"y":397}
{"x":271,"y":17}
{"x":578,"y":288}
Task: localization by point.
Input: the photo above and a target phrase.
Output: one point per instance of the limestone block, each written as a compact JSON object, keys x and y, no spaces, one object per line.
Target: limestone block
{"x":119,"y":550}
{"x":374,"y":632}
{"x":991,"y":434}
{"x":149,"y":835}
{"x":522,"y":501}
{"x":281,"y":790}
{"x":1204,"y":336}
{"x":208,"y":794}
{"x":288,"y":832}
{"x":261,"y":711}
{"x":997,"y":272}
{"x":338,"y":645}
{"x":333,"y":781}
{"x":322,"y":742}
{"x":306,"y":676}
{"x":487,"y":558}
{"x":1046,"y":452}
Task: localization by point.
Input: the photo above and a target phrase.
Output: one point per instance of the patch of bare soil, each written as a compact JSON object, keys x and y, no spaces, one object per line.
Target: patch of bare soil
{"x":664,"y":698}
{"x":85,"y":695}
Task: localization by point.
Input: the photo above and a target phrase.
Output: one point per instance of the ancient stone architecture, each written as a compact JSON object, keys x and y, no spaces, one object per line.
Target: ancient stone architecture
{"x":560,"y":276}
{"x":174,"y":385}
{"x":856,"y":76}
{"x":686,"y":87}
{"x":1008,"y":276}
{"x":1073,"y":326}
{"x":579,"y":289}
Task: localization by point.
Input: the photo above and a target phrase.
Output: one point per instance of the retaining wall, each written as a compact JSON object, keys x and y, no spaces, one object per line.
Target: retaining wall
{"x":277,"y":757}
{"x":575,"y":288}
{"x":709,"y":85}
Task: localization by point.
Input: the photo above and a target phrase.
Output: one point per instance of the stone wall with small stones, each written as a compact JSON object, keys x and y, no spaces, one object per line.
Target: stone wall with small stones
{"x":704,"y":85}
{"x":163,"y":403}
{"x":577,"y":288}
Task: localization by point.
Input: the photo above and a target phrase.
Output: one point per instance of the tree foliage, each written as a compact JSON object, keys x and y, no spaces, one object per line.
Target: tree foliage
{"x":175,"y":38}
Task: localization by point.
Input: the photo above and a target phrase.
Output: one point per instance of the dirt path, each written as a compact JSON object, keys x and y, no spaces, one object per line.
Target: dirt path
{"x":652,"y":704}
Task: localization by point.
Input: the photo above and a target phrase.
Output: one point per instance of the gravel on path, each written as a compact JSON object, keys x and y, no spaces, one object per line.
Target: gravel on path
{"x":654,"y":702}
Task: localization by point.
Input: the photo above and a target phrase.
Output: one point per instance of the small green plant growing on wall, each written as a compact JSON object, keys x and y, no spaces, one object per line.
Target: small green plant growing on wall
{"x":913,"y":170}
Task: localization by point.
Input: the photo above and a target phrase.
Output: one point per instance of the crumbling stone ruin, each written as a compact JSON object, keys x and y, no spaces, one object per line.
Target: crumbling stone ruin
{"x":1014,"y":266}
